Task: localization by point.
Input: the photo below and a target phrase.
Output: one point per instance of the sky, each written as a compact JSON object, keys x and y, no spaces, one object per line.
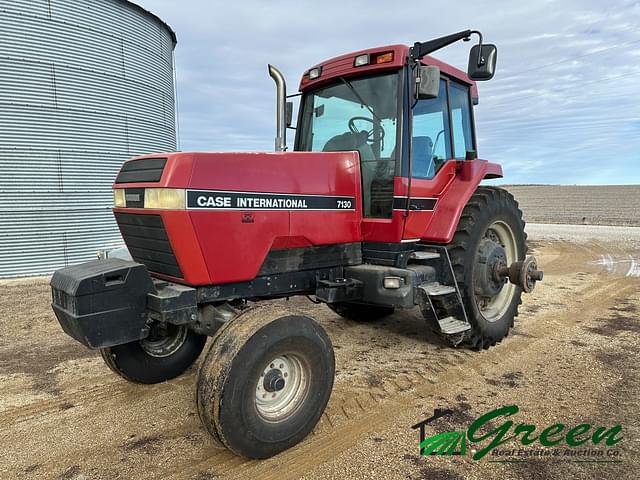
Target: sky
{"x":563,"y":107}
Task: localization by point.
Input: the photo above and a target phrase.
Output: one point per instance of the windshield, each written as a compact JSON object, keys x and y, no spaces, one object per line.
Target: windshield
{"x":357,"y":114}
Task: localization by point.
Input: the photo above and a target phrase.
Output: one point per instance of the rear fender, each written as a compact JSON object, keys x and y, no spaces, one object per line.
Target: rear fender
{"x":449,"y":207}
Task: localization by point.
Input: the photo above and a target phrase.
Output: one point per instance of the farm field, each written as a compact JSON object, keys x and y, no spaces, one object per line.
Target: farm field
{"x":574,"y":204}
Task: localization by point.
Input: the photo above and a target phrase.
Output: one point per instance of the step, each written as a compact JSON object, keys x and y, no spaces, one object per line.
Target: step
{"x":436,"y":289}
{"x":424,"y":255}
{"x":452,"y":326}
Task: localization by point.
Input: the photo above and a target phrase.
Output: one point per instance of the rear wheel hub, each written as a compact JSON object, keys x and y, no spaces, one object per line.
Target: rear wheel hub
{"x":497,"y":249}
{"x":491,"y":258}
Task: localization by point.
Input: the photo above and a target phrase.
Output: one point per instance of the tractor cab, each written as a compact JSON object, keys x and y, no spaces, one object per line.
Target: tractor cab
{"x":409,"y":116}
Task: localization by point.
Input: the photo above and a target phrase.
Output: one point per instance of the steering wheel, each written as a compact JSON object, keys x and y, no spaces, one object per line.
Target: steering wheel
{"x":370,"y":133}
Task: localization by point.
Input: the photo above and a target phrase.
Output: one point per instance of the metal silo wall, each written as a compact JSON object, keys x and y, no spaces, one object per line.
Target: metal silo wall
{"x":84,"y":84}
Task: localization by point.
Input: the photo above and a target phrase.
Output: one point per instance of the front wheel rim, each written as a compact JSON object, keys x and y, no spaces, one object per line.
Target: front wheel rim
{"x":282,"y":387}
{"x":165,"y":340}
{"x":494,"y":308}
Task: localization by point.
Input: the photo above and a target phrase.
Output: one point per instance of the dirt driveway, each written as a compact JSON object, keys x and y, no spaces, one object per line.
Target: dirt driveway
{"x":572,"y":358}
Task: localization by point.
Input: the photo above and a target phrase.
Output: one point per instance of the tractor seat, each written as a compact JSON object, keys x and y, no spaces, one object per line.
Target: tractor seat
{"x":347,"y":142}
{"x":423,"y":165}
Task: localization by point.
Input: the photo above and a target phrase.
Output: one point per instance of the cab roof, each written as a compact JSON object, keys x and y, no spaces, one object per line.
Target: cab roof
{"x":343,"y":66}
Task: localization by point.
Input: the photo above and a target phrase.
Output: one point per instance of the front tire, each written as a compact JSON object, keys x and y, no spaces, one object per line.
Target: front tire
{"x":265,"y":382}
{"x":491,"y":215}
{"x":166,"y":353}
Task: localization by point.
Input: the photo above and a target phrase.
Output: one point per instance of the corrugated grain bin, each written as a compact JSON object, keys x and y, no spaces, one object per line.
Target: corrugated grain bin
{"x":84,"y":84}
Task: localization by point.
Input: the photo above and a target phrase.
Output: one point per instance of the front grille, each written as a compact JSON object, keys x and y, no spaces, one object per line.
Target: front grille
{"x":143,"y":170}
{"x":148,"y":243}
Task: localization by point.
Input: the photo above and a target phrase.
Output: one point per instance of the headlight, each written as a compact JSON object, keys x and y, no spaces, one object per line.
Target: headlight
{"x":165,"y":198}
{"x":118,"y":198}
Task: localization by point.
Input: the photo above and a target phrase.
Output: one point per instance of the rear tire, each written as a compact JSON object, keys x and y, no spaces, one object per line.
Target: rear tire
{"x":265,"y":381}
{"x":491,"y":212}
{"x":360,"y":312}
{"x":154,"y":360}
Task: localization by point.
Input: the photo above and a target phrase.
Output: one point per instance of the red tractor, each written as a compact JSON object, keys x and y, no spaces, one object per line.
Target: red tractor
{"x":377,"y":207}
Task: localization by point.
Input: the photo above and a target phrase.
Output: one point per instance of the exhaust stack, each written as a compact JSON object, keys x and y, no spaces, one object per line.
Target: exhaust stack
{"x":281,"y":108}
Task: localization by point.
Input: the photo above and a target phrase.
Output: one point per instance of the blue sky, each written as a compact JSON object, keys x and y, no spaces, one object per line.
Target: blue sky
{"x":564,"y":106}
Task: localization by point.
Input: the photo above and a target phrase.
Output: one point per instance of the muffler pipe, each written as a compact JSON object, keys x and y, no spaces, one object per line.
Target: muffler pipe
{"x":281,"y":108}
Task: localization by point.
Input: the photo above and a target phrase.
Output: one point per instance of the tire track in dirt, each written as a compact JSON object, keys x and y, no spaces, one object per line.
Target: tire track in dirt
{"x":41,"y":408}
{"x":348,"y":417}
{"x":90,"y":395}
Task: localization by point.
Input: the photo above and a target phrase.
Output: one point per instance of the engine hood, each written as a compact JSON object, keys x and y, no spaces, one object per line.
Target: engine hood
{"x":288,"y":172}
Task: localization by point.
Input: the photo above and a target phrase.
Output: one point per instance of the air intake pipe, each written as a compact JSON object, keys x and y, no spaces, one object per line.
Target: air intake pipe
{"x":281,"y":108}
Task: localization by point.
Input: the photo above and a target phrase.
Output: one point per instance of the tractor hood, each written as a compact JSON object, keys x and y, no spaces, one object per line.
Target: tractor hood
{"x":275,"y":172}
{"x":213,"y":218}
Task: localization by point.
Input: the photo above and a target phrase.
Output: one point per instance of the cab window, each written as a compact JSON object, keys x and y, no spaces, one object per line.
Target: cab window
{"x":461,"y":120}
{"x":357,"y":114}
{"x":431,"y":142}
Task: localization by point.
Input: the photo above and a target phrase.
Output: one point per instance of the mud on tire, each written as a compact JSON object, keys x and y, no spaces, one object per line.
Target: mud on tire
{"x":265,"y":381}
{"x":488,"y":206}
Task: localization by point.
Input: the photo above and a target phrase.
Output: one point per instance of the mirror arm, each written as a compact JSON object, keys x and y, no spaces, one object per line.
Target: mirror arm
{"x":420,"y":49}
{"x":481,"y":60}
{"x":415,"y":71}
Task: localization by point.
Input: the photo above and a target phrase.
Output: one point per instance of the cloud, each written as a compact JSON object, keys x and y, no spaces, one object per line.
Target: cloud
{"x":562,"y":108}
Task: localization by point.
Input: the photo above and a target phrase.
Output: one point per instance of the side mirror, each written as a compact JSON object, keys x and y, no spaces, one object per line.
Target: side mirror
{"x":482,"y":62}
{"x":427,"y":82}
{"x":289,"y":113}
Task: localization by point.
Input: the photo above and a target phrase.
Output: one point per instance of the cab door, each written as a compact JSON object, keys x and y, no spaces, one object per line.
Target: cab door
{"x":441,"y":133}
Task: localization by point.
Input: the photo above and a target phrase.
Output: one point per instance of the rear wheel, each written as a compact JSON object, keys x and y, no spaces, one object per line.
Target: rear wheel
{"x":490,"y":235}
{"x":166,"y":353}
{"x":361,"y":312}
{"x":265,"y":381}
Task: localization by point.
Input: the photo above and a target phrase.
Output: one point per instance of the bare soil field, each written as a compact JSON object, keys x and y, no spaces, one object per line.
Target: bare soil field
{"x":572,"y":358}
{"x":575,"y":204}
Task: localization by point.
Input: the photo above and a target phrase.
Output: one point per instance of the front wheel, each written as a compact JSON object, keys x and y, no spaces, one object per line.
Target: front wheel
{"x":265,"y":382}
{"x":166,"y":353}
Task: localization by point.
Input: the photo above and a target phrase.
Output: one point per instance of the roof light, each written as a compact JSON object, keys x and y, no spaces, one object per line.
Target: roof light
{"x":361,"y":60}
{"x":384,"y":58}
{"x":315,"y":73}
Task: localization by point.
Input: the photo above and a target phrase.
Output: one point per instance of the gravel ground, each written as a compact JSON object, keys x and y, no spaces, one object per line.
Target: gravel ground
{"x":626,"y":238}
{"x":572,"y":358}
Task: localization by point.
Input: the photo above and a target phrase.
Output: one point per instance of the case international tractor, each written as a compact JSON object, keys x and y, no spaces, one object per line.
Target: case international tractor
{"x":378,"y":207}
